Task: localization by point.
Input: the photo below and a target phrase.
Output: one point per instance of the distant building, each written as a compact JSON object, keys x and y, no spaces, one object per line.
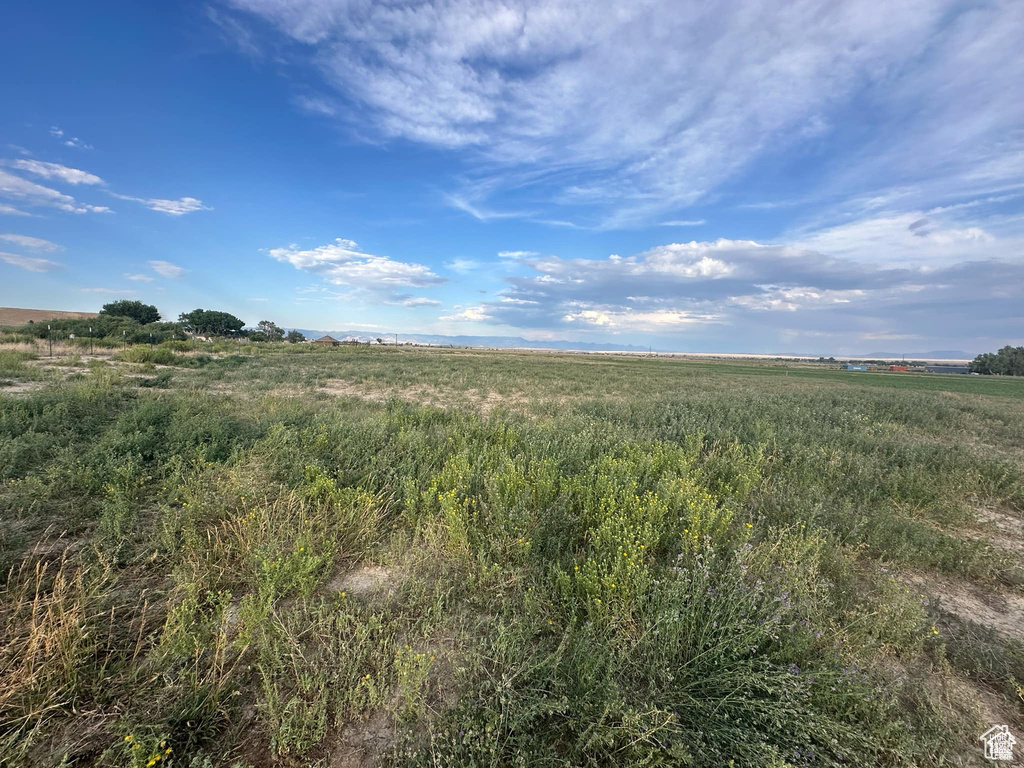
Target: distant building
{"x":327,"y":341}
{"x":852,"y":367}
{"x":948,"y":369}
{"x":899,"y":368}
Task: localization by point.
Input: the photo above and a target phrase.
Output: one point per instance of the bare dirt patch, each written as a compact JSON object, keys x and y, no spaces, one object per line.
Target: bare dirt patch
{"x":425,"y":394}
{"x":360,"y":743}
{"x":365,"y":581}
{"x":1001,"y":529}
{"x":1008,"y":527}
{"x":21,"y":387}
{"x":999,"y":609}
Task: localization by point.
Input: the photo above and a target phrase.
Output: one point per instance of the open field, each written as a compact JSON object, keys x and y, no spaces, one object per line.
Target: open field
{"x":16,"y":316}
{"x":282,"y":555}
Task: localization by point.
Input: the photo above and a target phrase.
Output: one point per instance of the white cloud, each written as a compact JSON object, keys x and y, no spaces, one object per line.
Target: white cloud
{"x":481,"y":213}
{"x":29,"y":263}
{"x":917,"y":237}
{"x":316,"y":105}
{"x":642,"y":108}
{"x":36,"y":243}
{"x":17,"y":188}
{"x":658,"y":321}
{"x":177,"y":207}
{"x":167,"y":269}
{"x":765,"y":295}
{"x":70,"y":141}
{"x":516,"y":254}
{"x":57,"y":171}
{"x":113,"y":291}
{"x":416,"y":301}
{"x":10,"y":210}
{"x":683,"y":223}
{"x":468,"y":315}
{"x":343,"y":263}
{"x":463,"y":266}
{"x":887,"y":336}
{"x":139,"y":277}
{"x":234,"y":33}
{"x":791,"y":299}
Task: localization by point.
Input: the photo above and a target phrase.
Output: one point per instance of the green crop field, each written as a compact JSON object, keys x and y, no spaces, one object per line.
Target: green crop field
{"x":280,"y":555}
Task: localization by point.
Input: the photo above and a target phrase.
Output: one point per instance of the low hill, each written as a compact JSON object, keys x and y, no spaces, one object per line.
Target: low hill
{"x":16,"y":316}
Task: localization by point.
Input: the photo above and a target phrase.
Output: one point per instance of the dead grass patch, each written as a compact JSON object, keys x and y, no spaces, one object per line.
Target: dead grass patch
{"x":482,"y":401}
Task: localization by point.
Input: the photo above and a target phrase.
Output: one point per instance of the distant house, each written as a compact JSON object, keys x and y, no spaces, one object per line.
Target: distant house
{"x":948,"y":369}
{"x":899,"y":368}
{"x":851,"y":367}
{"x":327,"y":341}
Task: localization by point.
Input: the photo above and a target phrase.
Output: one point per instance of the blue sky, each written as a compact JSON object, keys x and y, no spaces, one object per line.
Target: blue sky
{"x":745,"y":176}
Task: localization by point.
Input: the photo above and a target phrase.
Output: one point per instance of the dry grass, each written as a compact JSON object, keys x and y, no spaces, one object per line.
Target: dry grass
{"x":17,"y":316}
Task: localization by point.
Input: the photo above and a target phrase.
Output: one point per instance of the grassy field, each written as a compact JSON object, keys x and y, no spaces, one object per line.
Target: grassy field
{"x":274,"y":555}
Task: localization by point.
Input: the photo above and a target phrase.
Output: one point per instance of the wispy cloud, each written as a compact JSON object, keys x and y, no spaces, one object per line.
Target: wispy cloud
{"x":30,"y":263}
{"x":463,"y":266}
{"x":516,"y":254}
{"x":316,"y":105}
{"x":58,"y":172}
{"x":10,"y":210}
{"x":592,"y":110}
{"x":17,"y":188}
{"x":479,"y":212}
{"x":167,"y":269}
{"x":68,"y":141}
{"x":139,"y":277}
{"x":234,"y":33}
{"x":683,"y":223}
{"x":111,"y":291}
{"x":178,"y":207}
{"x":415,"y":301}
{"x":35,"y":243}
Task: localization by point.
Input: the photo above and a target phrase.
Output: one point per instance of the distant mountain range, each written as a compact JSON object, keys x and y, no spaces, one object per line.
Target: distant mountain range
{"x":471,"y":341}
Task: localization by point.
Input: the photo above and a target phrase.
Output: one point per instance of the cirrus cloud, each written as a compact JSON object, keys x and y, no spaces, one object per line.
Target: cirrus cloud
{"x":178,"y":207}
{"x":30,"y":263}
{"x":35,"y":243}
{"x":545,"y":95}
{"x":58,"y":171}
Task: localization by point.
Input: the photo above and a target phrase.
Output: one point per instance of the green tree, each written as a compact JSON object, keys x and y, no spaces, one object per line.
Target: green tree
{"x":143,"y":314}
{"x":294,"y":337}
{"x":1008,"y":361}
{"x":270,"y":330}
{"x":210,"y":322}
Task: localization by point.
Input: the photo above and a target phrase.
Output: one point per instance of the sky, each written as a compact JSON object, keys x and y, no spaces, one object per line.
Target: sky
{"x":754,"y":176}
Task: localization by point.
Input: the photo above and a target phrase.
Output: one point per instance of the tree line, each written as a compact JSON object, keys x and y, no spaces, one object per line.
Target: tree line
{"x":1008,"y":361}
{"x":136,"y":322}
